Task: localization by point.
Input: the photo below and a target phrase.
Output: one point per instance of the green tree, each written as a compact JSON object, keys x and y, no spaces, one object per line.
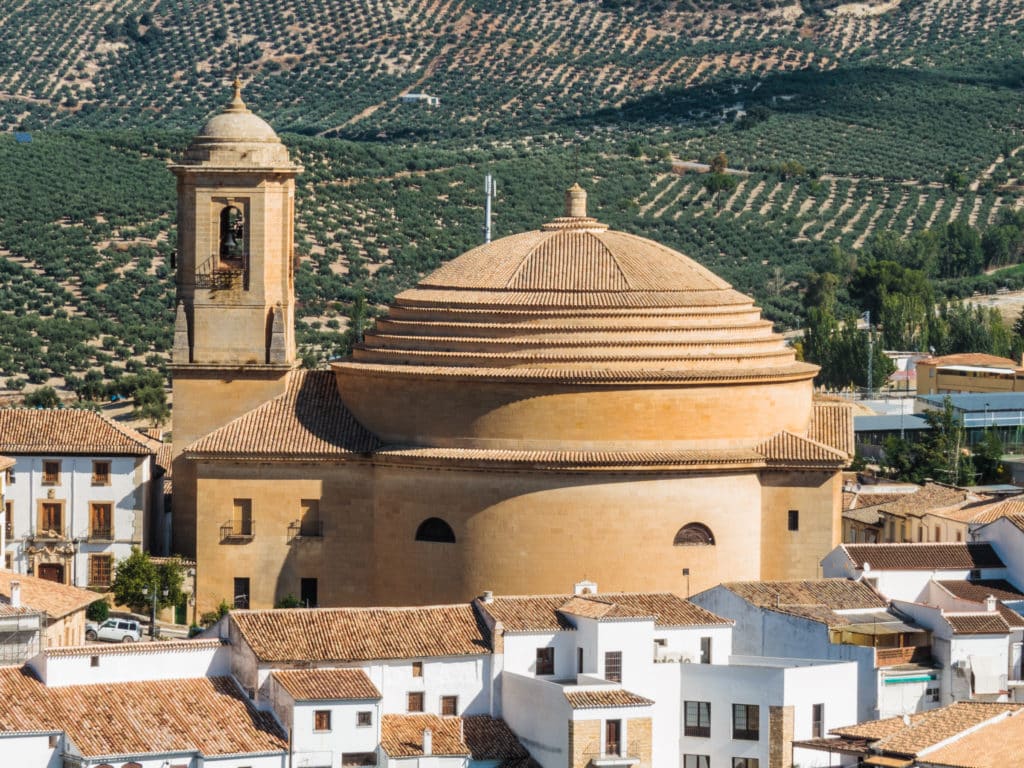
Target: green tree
{"x":44,"y":397}
{"x":988,"y":458}
{"x":715,"y":184}
{"x":137,"y":574}
{"x":941,"y":450}
{"x":151,"y":404}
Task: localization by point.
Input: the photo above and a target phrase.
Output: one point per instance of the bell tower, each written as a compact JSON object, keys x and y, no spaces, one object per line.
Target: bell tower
{"x":234,"y":329}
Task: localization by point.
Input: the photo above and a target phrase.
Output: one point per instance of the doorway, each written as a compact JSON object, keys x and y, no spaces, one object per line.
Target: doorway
{"x":51,"y":572}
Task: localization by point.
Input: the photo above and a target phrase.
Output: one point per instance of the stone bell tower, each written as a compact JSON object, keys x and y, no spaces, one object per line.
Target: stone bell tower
{"x":234,"y":329}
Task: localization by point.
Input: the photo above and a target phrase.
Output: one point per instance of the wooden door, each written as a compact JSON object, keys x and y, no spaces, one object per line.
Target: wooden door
{"x":51,"y":572}
{"x":613,"y":737}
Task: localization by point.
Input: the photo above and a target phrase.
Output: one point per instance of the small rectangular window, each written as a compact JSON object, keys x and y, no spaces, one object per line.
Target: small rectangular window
{"x":697,"y":718}
{"x":938,"y":533}
{"x":364,"y":719}
{"x":101,"y":473}
{"x":705,"y":650}
{"x":417,"y":669}
{"x":322,"y":720}
{"x":613,"y":666}
{"x":9,"y":561}
{"x":241,"y":517}
{"x":696,"y":761}
{"x":101,"y":521}
{"x":745,"y":762}
{"x":545,"y":661}
{"x":242,"y":594}
{"x":579,"y":661}
{"x":94,"y":661}
{"x":794,"y":519}
{"x":51,"y":473}
{"x":746,"y":722}
{"x":308,"y":593}
{"x":449,"y":705}
{"x":9,"y":519}
{"x":818,"y":721}
{"x":352,"y":759}
{"x":415,"y":701}
{"x":309,"y":517}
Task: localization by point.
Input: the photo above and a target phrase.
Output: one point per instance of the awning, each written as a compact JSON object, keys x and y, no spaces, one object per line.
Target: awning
{"x":888,"y":762}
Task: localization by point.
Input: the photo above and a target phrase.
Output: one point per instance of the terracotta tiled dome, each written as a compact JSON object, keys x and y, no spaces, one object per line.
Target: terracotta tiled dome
{"x":576,"y":296}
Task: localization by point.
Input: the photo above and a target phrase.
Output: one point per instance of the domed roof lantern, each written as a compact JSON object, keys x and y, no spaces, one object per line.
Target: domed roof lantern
{"x":576,"y":202}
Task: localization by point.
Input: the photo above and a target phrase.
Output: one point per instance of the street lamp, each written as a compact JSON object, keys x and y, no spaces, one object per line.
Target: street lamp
{"x":686,"y":573}
{"x":152,"y":609}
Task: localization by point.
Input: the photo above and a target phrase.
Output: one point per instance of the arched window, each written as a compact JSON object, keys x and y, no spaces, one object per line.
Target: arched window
{"x":694,"y":534}
{"x":132,"y":765}
{"x":232,"y":234}
{"x":435,"y":529}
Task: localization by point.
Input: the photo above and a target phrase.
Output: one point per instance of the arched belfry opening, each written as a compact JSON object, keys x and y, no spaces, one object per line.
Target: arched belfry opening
{"x":435,"y":529}
{"x":233,"y":236}
{"x":694,"y":534}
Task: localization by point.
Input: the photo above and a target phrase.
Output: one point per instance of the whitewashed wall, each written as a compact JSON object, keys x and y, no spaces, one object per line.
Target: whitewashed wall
{"x":125,"y":664}
{"x":537,"y":711}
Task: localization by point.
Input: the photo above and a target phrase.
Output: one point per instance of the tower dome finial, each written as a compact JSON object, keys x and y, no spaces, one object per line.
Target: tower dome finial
{"x":237,"y":105}
{"x":576,"y":202}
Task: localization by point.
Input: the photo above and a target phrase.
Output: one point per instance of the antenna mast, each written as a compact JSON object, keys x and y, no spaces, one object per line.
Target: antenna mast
{"x":490,"y":187}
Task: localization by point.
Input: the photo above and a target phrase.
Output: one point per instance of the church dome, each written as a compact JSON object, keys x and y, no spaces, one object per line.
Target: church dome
{"x":575,"y":310}
{"x":236,"y":137}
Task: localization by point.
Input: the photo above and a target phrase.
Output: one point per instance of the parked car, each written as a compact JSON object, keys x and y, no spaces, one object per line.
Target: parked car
{"x":114,"y":631}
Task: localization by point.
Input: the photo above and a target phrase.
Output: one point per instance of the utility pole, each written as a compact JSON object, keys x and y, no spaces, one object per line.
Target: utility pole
{"x":490,"y":187}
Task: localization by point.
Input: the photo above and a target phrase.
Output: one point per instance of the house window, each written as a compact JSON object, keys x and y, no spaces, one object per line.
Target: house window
{"x":545,"y":661}
{"x":51,"y":473}
{"x":9,"y":561}
{"x":613,"y":737}
{"x":705,"y":650}
{"x":818,"y":721}
{"x":364,"y":719}
{"x":938,"y":533}
{"x":746,"y":722}
{"x":51,"y":516}
{"x":697,"y":718}
{"x":449,"y":705}
{"x":101,"y":473}
{"x":101,"y":521}
{"x":309,"y":517}
{"x":932,"y":694}
{"x":241,"y":594}
{"x":794,"y":519}
{"x":920,"y":533}
{"x":415,"y":701}
{"x":696,"y":761}
{"x":417,"y":669}
{"x":100,"y":567}
{"x":241,"y":517}
{"x":9,"y":475}
{"x":579,"y":661}
{"x":745,"y":762}
{"x":94,"y":661}
{"x":959,"y":536}
{"x":435,"y":529}
{"x":351,"y":759}
{"x":613,"y":666}
{"x":9,"y":519}
{"x":694,"y":534}
{"x":322,"y":720}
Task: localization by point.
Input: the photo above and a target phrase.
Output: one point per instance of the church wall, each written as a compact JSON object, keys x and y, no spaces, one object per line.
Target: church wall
{"x":520,"y":533}
{"x":422,"y":410}
{"x":274,"y":563}
{"x":816,"y":496}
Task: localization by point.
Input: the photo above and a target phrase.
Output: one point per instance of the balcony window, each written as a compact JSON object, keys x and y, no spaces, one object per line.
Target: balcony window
{"x":51,"y":517}
{"x":101,"y":473}
{"x":818,"y":721}
{"x":9,"y":519}
{"x":613,"y":737}
{"x":100,"y":568}
{"x":101,"y":523}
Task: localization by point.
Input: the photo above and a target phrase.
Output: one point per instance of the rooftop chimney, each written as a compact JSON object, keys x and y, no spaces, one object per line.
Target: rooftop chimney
{"x":487,"y":597}
{"x":576,"y":202}
{"x":428,"y":742}
{"x":15,"y":594}
{"x":990,"y":603}
{"x":584,"y":588}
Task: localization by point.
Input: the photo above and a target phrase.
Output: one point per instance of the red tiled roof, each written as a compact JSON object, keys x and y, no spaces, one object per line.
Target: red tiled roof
{"x":326,"y":684}
{"x":53,"y":599}
{"x":923,"y":557}
{"x":210,"y":716}
{"x":817,"y":600}
{"x":362,"y":634}
{"x":491,"y":739}
{"x":402,"y":735}
{"x":978,"y":591}
{"x":987,"y":623}
{"x":832,"y":425}
{"x":787,"y":449}
{"x":971,"y":358}
{"x":308,"y":421}
{"x":67,"y":431}
{"x":616,"y":697}
{"x":134,"y":649}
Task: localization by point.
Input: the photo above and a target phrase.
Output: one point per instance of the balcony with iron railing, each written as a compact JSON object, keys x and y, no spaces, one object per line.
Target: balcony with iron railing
{"x":613,"y":754}
{"x":305,"y":529}
{"x":223,"y":274}
{"x":237,"y":531}
{"x":101,"y":534}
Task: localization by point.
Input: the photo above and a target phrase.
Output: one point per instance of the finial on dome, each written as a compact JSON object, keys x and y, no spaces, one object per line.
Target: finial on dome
{"x":237,"y":105}
{"x":576,"y":202}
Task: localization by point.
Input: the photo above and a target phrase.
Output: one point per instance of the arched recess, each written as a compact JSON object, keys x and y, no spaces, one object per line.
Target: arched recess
{"x":435,"y":529}
{"x":694,"y":534}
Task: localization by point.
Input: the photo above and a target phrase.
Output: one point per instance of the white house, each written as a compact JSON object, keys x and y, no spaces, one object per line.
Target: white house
{"x":78,"y":495}
{"x":737,"y":709}
{"x":833,"y":620}
{"x":6,"y":465}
